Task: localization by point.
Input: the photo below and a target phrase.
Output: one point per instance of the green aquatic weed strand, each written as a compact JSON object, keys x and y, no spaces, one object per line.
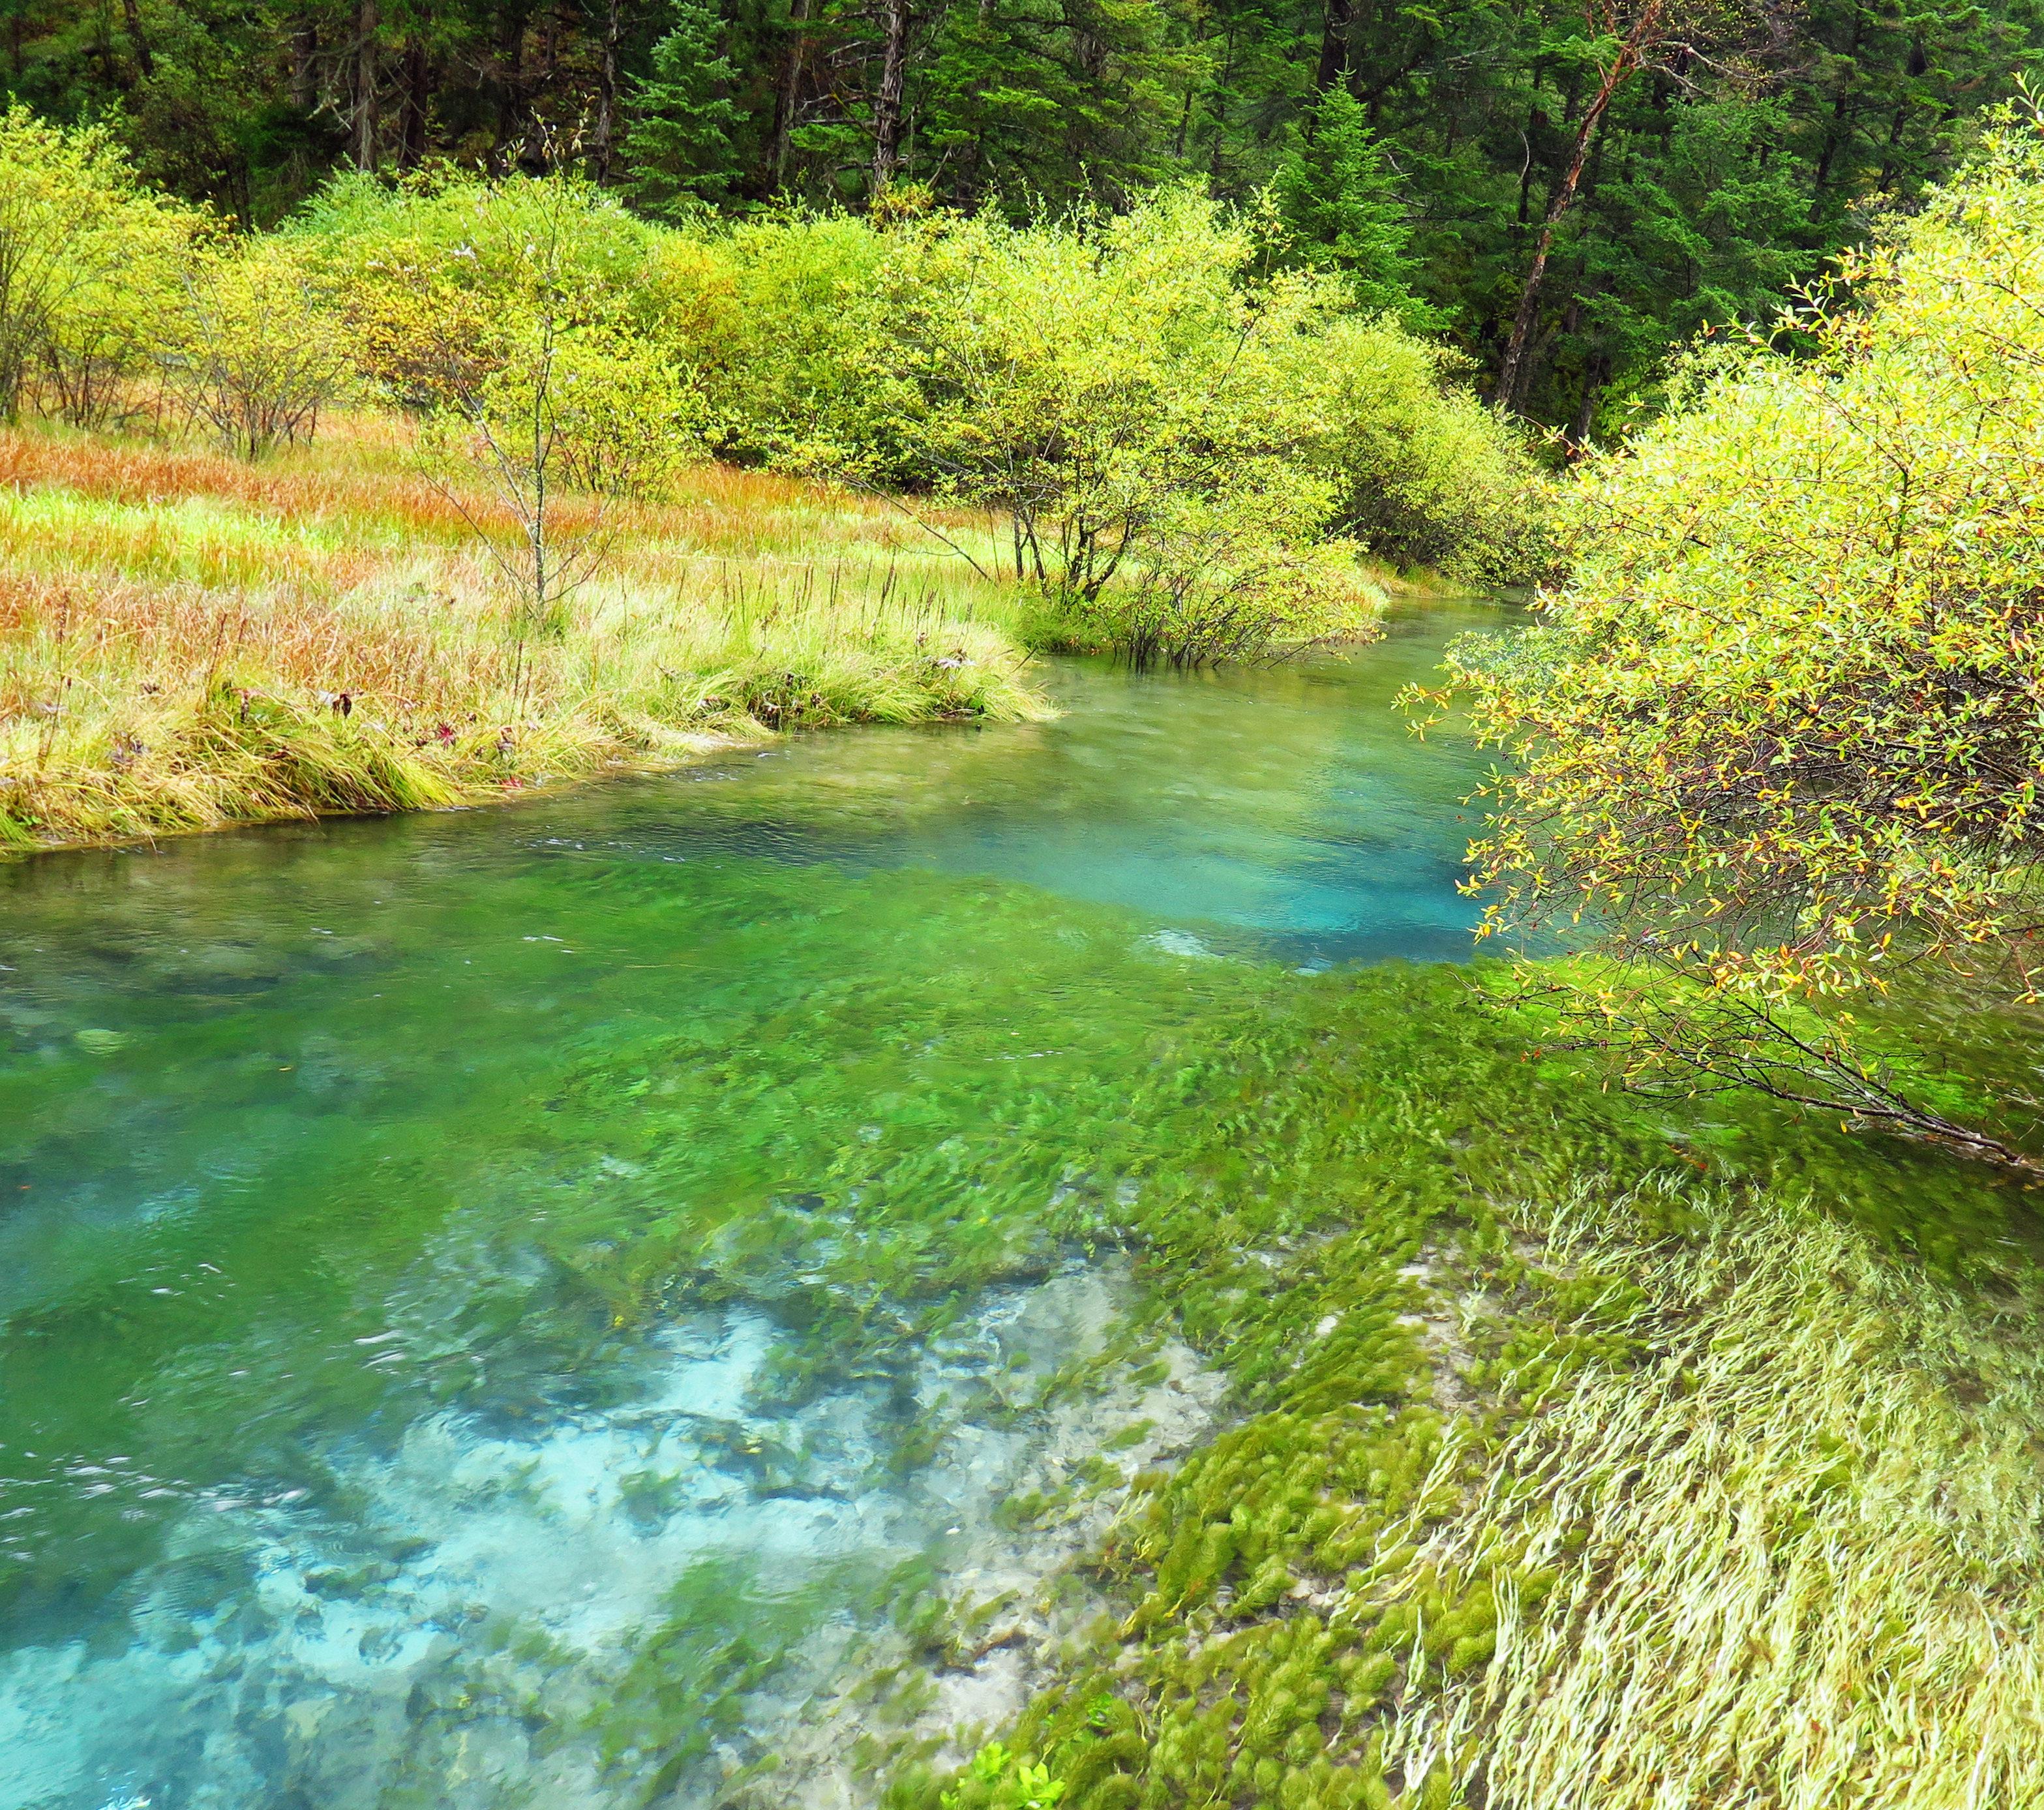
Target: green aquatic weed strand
{"x":1245,"y":1680}
{"x":1388,"y":1259}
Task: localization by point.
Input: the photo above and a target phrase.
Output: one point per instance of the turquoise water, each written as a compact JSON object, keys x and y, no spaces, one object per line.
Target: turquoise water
{"x":518,"y":1306}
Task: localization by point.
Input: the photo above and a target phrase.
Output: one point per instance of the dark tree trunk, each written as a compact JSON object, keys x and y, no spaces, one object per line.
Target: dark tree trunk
{"x":973,"y":177}
{"x":787,"y":95}
{"x":1841,"y":109}
{"x":305,"y":52}
{"x":1334,"y":45}
{"x":365,"y":23}
{"x":1892,"y":163}
{"x":550,"y":54}
{"x":1534,"y":119}
{"x":603,"y":137}
{"x":1596,"y":368}
{"x":887,"y":103}
{"x":539,"y":157}
{"x":1632,"y":53}
{"x":510,"y":95}
{"x":418,"y":97}
{"x":144,"y":61}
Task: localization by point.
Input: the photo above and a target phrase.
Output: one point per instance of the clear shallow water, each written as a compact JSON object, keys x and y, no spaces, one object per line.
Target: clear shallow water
{"x":499,"y":1306}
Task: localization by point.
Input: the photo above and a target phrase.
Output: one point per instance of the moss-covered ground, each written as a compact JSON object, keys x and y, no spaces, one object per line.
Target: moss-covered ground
{"x":1585,"y":1451}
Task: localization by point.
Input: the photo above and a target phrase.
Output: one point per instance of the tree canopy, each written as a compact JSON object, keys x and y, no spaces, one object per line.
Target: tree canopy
{"x":1781,"y":735}
{"x":1665,"y":166}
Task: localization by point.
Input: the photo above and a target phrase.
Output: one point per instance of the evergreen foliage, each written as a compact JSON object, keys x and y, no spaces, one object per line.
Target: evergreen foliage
{"x":680,"y":152}
{"x":1343,"y":206}
{"x":1737,"y":149}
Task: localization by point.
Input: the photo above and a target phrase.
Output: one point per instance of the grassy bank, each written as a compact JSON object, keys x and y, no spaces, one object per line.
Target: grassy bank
{"x":1584,"y":1453}
{"x":186,"y":640}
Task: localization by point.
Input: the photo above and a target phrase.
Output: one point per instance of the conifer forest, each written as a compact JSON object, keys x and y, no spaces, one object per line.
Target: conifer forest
{"x":1565,"y":189}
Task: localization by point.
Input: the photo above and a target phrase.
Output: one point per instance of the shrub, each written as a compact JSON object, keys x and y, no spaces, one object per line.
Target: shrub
{"x":788,"y":374}
{"x":1141,"y":414}
{"x":88,"y":265}
{"x":255,"y":351}
{"x":1209,"y":584}
{"x":1779,"y":733}
{"x":1171,"y":429}
{"x":514,"y":316}
{"x":1427,"y":477}
{"x":435,"y":264}
{"x":1091,"y":379}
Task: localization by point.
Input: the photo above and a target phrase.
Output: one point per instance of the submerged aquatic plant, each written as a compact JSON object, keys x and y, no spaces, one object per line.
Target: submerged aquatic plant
{"x":1811,"y":1495}
{"x":1506,"y":1432}
{"x":998,"y":1780}
{"x":1354,"y":1193}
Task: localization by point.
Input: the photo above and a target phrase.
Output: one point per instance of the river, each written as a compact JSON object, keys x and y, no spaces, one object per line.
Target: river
{"x":515,"y":1306}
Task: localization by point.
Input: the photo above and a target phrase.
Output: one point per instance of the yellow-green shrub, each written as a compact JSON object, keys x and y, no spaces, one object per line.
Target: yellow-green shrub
{"x":1780,"y":730}
{"x":89,"y":266}
{"x":255,"y":350}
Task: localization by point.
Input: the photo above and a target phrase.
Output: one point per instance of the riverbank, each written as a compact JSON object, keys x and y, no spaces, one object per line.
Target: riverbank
{"x":187,"y":641}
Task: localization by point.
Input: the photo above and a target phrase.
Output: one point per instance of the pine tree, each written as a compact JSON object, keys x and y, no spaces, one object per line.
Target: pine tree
{"x":1341,"y":204}
{"x":680,"y":155}
{"x":1043,"y":102}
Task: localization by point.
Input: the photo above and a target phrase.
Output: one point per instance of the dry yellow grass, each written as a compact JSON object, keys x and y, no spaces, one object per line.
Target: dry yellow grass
{"x":186,"y":640}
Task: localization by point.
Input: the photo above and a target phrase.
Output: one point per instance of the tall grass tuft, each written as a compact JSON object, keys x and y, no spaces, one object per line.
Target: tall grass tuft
{"x":184,"y":642}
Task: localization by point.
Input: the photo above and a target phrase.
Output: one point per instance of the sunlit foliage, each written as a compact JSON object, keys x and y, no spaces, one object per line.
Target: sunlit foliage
{"x":521,"y":338}
{"x":1187,"y":444}
{"x":1136,"y":410}
{"x":1190,"y":439}
{"x":89,"y":265}
{"x":254,"y":350}
{"x":1192,"y":445}
{"x":1780,"y":734}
